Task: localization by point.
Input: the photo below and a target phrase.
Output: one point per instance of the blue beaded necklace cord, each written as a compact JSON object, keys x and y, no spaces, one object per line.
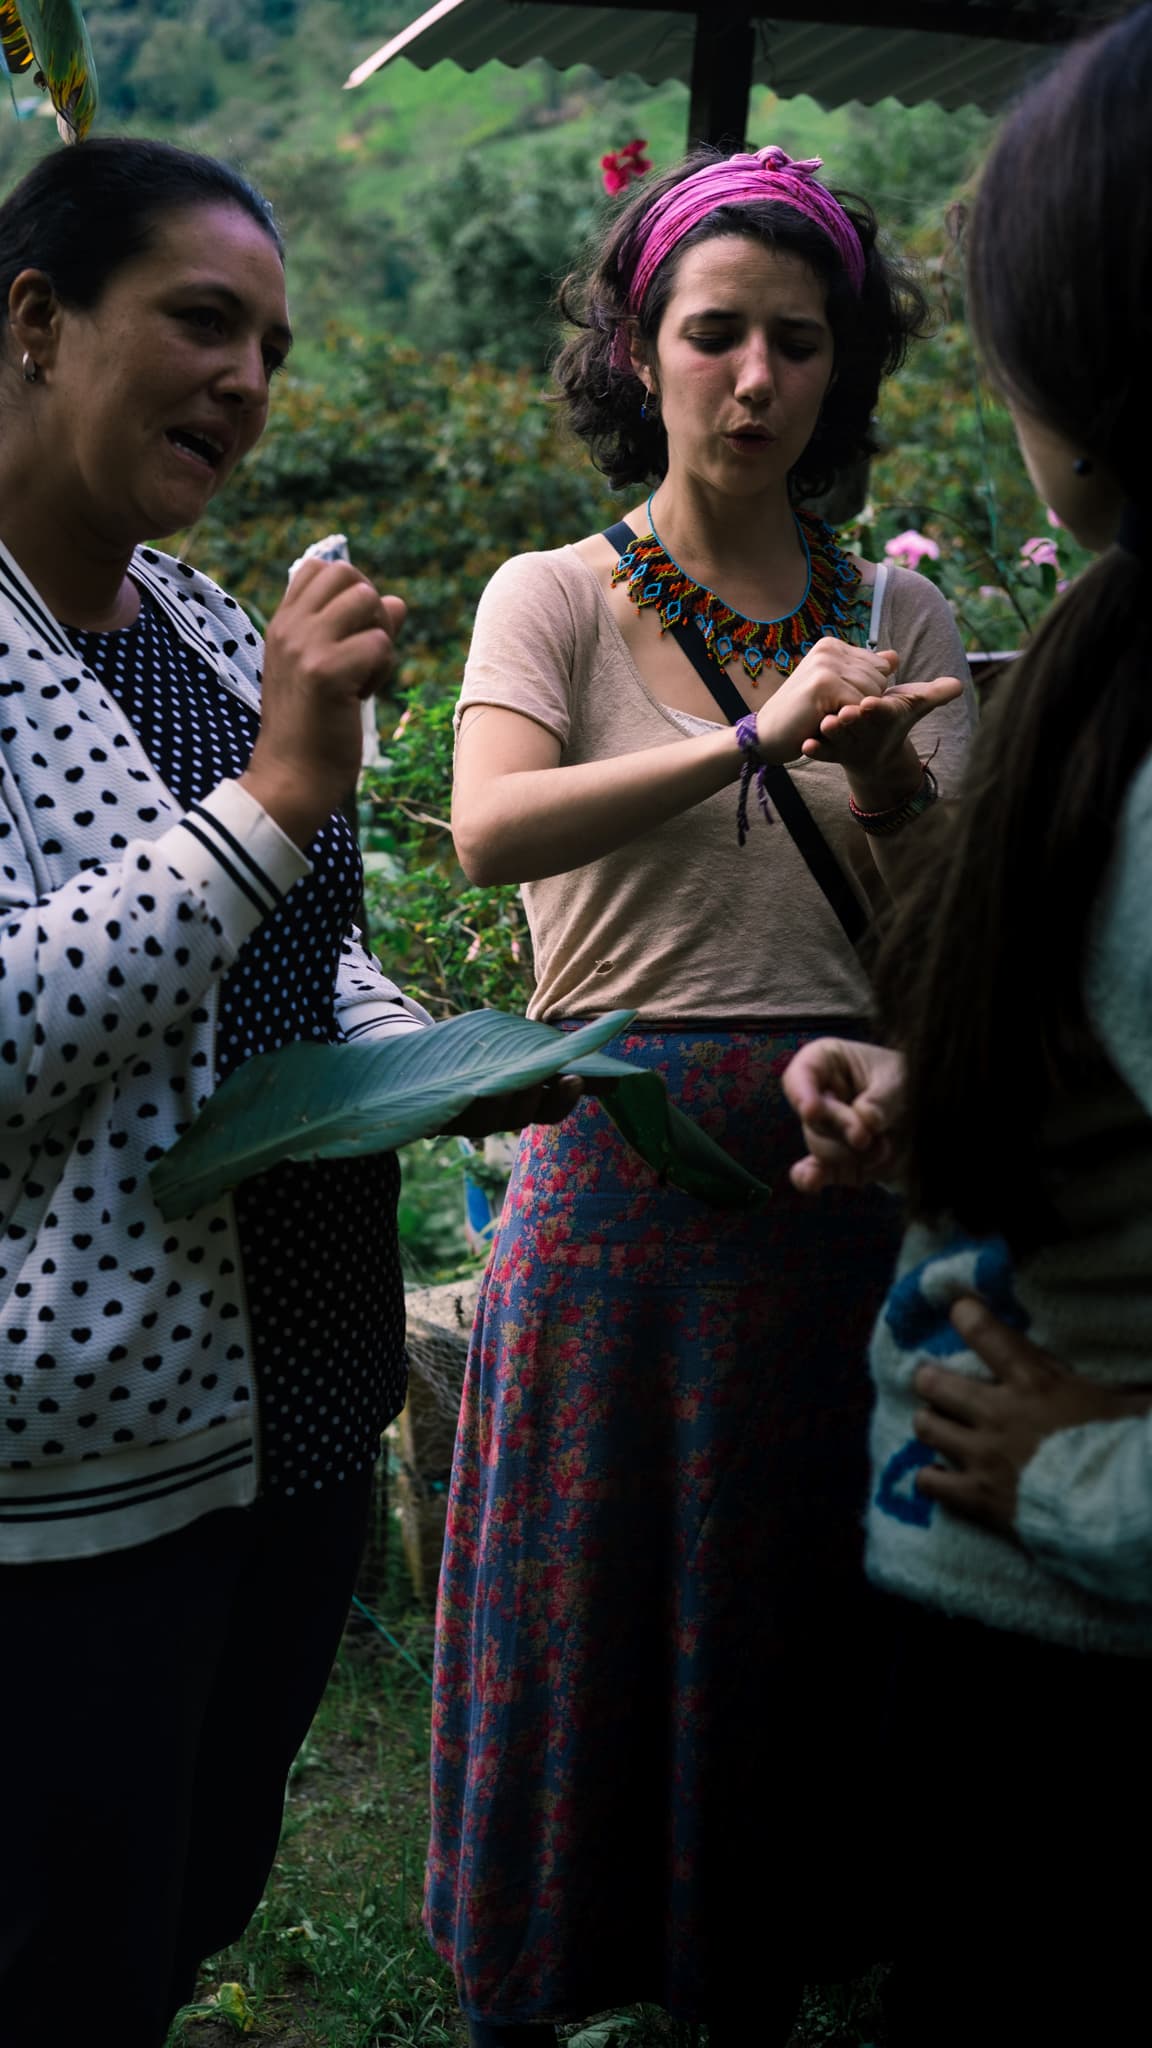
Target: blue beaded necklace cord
{"x":781,"y":616}
{"x":654,"y":578}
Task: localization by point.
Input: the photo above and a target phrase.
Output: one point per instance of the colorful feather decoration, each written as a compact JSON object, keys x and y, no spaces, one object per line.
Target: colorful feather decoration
{"x":51,"y":35}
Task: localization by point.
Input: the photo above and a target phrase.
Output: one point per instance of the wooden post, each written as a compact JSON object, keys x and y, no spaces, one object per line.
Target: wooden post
{"x":721,"y":82}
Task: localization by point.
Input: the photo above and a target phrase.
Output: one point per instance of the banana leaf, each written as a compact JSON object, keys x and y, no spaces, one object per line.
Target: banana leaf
{"x":51,"y":35}
{"x":338,"y":1101}
{"x":14,"y":44}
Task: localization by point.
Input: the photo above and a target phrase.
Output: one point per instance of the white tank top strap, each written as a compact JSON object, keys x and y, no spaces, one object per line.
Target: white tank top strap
{"x":878,"y":589}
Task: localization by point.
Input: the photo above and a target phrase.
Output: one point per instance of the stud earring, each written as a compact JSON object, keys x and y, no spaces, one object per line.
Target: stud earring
{"x":1083,"y":465}
{"x":29,"y":370}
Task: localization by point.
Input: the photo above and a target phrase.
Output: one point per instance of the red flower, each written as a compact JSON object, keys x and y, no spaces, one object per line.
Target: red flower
{"x":620,"y":166}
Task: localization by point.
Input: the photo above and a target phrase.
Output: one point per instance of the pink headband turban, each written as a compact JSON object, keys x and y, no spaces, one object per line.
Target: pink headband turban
{"x":738,"y":180}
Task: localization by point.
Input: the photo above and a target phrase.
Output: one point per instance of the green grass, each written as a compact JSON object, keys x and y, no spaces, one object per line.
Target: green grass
{"x":334,"y":1956}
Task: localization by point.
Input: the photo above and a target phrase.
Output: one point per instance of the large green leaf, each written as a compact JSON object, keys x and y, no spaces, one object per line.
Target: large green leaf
{"x":337,"y":1101}
{"x":52,"y":35}
{"x":671,"y":1142}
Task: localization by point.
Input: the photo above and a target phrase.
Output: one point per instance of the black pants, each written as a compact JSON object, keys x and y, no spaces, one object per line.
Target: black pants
{"x":151,"y":1702}
{"x":1012,"y":1832}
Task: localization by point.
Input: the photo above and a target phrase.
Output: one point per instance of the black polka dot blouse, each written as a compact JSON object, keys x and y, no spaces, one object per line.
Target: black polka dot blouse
{"x":318,"y":1247}
{"x":156,"y":930}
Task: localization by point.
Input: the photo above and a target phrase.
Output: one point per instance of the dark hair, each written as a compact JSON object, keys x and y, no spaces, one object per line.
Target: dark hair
{"x":870,"y":331}
{"x":982,"y":978}
{"x":84,"y":211}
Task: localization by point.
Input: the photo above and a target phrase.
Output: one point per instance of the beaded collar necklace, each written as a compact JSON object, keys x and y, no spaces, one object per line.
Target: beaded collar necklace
{"x":654,"y":577}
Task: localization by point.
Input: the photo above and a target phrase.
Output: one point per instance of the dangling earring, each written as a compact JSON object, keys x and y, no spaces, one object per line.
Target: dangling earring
{"x":649,"y":406}
{"x":1083,"y":465}
{"x":29,"y":370}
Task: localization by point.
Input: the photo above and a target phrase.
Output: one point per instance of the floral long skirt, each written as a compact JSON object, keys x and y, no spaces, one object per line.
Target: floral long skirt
{"x":655,"y":1643}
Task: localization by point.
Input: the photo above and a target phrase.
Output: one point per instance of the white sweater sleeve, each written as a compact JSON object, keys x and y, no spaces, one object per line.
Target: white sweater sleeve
{"x":1085,"y":1507}
{"x":124,"y":950}
{"x":368,"y":1005}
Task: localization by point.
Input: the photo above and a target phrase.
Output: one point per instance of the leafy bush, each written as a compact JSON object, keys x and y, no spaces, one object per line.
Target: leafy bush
{"x":174,"y":76}
{"x":909,"y":161}
{"x":497,"y":239}
{"x":436,"y":471}
{"x":951,"y":469}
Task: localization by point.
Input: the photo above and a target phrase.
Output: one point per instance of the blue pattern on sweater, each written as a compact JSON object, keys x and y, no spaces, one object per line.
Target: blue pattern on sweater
{"x":919,"y":1319}
{"x":919,"y":1322}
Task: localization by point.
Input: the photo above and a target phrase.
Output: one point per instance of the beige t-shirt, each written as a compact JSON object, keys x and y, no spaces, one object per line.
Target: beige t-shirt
{"x":683,"y":923}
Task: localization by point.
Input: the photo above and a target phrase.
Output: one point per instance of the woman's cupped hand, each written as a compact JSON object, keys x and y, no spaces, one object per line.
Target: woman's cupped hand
{"x":867,"y":735}
{"x":840,"y":704}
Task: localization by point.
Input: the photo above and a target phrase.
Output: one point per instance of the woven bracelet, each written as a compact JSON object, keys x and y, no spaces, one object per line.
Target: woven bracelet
{"x":880,"y":823}
{"x":753,"y":769}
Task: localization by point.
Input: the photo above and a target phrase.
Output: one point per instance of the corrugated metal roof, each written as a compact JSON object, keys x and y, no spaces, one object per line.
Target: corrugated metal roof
{"x":833,"y":63}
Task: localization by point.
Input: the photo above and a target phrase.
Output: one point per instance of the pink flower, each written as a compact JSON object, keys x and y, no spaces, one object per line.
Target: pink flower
{"x":989,"y":590}
{"x":620,"y":166}
{"x":1054,"y":518}
{"x":910,"y":549}
{"x":1041,"y":552}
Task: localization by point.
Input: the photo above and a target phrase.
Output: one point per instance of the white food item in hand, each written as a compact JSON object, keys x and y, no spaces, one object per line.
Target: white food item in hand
{"x":334,"y":548}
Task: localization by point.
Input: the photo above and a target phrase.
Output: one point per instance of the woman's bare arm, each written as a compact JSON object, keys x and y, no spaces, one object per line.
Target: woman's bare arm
{"x":518,"y":815}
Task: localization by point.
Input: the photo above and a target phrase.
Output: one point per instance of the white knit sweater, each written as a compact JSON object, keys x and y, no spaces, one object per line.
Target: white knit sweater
{"x":1079,"y":1570}
{"x":119,"y":916}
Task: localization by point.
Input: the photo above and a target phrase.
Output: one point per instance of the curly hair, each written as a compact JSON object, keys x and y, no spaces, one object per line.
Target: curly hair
{"x":871,"y":331}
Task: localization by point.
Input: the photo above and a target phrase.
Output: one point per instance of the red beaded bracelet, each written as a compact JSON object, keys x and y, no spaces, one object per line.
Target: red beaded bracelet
{"x":880,"y":823}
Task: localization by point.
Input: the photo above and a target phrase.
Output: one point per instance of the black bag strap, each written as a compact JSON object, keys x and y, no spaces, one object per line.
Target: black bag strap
{"x":811,"y":844}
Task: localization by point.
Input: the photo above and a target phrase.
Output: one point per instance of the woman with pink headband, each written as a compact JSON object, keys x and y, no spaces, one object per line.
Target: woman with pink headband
{"x":654,"y":1639}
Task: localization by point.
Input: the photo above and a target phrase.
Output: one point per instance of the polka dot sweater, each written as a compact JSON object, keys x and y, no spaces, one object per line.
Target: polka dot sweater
{"x":318,"y":1247}
{"x":131,"y":1349}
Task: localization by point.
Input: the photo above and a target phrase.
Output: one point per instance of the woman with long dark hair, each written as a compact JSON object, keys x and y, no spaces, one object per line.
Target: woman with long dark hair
{"x":652,"y":1615}
{"x":1011,"y":1516}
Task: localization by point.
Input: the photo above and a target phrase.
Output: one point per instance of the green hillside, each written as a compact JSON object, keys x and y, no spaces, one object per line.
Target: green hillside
{"x":439,"y":205}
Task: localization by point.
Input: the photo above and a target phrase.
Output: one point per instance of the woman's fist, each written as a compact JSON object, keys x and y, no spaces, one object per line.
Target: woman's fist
{"x":848,"y":1096}
{"x":832,"y":676}
{"x":330,"y":644}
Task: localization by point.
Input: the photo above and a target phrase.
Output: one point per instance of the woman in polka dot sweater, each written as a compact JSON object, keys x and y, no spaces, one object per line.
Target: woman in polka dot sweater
{"x":189,"y":1413}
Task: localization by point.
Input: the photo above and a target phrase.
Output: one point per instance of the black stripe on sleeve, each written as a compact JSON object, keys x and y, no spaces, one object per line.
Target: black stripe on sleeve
{"x":264,"y":904}
{"x":239,"y":849}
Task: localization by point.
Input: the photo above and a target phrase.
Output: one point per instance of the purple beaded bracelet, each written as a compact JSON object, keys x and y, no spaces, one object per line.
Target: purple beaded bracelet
{"x":754,"y":766}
